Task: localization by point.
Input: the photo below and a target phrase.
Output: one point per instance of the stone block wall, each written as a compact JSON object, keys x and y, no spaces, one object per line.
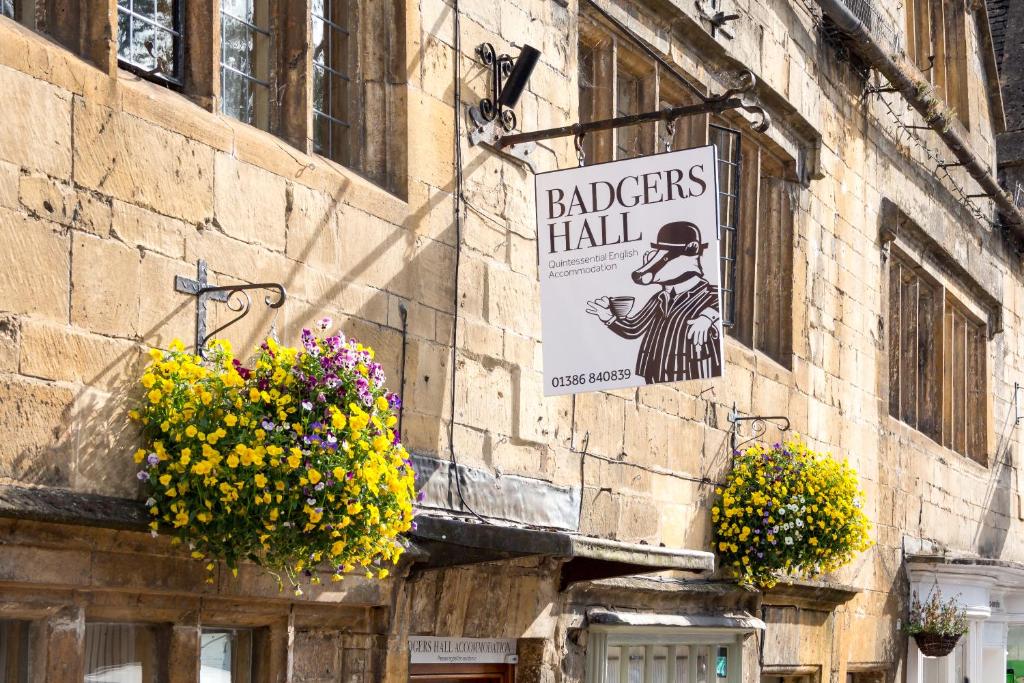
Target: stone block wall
{"x":111,"y":186}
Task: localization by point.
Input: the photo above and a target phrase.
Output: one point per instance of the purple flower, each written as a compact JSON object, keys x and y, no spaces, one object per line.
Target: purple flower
{"x":324,"y":323}
{"x":267,"y":425}
{"x":152,"y":458}
{"x":143,"y":475}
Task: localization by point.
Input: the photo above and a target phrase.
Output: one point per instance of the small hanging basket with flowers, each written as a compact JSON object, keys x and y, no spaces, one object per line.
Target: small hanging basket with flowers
{"x":787,"y":510}
{"x":292,"y":461}
{"x":936,"y":624}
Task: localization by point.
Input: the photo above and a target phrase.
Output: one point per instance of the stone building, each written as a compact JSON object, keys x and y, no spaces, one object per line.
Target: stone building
{"x":876,"y":303}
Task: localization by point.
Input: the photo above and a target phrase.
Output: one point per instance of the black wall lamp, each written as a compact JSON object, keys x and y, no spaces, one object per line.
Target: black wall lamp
{"x":508,"y":80}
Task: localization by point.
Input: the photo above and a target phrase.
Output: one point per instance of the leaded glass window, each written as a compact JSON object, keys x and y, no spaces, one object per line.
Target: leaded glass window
{"x":333,"y":62}
{"x":245,"y":60}
{"x":149,"y":38}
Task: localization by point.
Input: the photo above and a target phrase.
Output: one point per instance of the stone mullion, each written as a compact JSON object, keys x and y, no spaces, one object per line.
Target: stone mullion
{"x":200,"y":23}
{"x":183,"y":652}
{"x":65,"y":646}
{"x":88,"y":28}
{"x":294,"y":95}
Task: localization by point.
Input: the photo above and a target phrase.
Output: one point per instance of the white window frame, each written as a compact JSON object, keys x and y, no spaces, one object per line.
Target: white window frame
{"x":600,"y":638}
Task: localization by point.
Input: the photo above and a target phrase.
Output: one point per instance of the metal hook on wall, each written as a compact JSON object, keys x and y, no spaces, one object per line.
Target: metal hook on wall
{"x":235,"y":296}
{"x":758,"y":426}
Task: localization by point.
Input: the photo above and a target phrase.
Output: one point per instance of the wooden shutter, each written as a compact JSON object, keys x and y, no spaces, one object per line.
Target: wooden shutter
{"x":774,"y":278}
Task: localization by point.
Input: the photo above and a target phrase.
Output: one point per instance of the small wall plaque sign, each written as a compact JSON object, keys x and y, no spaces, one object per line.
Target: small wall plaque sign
{"x":436,"y":650}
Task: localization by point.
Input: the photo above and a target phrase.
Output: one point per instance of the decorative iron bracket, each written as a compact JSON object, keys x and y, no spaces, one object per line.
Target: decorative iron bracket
{"x":733,"y":98}
{"x":709,"y":11}
{"x":490,"y":108}
{"x":235,"y":296}
{"x":758,"y":426}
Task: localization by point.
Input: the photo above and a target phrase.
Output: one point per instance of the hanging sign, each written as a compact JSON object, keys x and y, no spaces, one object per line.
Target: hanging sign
{"x":629,"y":276}
{"x":436,"y":650}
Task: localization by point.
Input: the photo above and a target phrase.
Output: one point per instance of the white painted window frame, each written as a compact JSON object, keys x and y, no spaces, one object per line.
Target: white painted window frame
{"x":600,"y":638}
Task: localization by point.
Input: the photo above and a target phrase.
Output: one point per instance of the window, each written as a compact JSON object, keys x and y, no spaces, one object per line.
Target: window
{"x":640,"y":85}
{"x":800,"y":674}
{"x":866,"y":677}
{"x":334,"y":62}
{"x":755,"y":205}
{"x":226,"y":656}
{"x":937,"y":43}
{"x":245,"y":60}
{"x":678,"y":655}
{"x":123,"y":653}
{"x":756,"y":214}
{"x":358,"y":102}
{"x":22,"y":11}
{"x":149,"y":38}
{"x":14,"y":652}
{"x":937,"y":361}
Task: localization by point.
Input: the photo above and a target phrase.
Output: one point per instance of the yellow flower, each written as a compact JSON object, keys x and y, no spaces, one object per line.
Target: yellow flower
{"x":230,"y":419}
{"x":314,"y":476}
{"x":260,"y":481}
{"x":148,"y":380}
{"x":232,"y":461}
{"x":191,"y":431}
{"x":382,"y":403}
{"x":155,"y":395}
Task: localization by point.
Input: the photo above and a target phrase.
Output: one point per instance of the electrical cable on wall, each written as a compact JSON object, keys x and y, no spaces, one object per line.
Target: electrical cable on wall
{"x":458,"y":204}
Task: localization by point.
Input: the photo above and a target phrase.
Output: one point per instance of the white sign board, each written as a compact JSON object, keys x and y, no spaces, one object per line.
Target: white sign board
{"x":629,"y":272}
{"x":434,"y":650}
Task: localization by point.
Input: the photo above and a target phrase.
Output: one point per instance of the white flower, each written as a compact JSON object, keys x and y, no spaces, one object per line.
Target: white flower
{"x":789,"y":540}
{"x":150,"y":502}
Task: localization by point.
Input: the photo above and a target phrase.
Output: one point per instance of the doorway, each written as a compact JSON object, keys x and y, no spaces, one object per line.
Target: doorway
{"x":461,"y":673}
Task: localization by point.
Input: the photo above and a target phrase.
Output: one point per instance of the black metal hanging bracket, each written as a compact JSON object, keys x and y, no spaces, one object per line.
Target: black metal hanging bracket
{"x":710,"y":12}
{"x":491,"y":108}
{"x":758,"y":426}
{"x":235,"y":296}
{"x":733,"y":98}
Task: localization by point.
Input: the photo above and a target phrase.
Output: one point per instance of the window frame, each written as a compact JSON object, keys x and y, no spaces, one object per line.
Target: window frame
{"x":767,"y":326}
{"x":949,"y":299}
{"x":600,"y":638}
{"x":244,"y":667}
{"x":377,"y":95}
{"x":180,"y":32}
{"x":946,"y":67}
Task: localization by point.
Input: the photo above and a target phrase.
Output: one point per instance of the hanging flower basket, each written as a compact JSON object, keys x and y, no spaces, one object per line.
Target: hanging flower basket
{"x":936,"y":644}
{"x":936,"y":624}
{"x":787,"y":510}
{"x":292,"y":461}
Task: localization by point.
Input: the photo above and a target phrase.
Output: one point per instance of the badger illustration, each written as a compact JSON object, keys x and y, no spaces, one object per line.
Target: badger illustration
{"x":679,"y":325}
